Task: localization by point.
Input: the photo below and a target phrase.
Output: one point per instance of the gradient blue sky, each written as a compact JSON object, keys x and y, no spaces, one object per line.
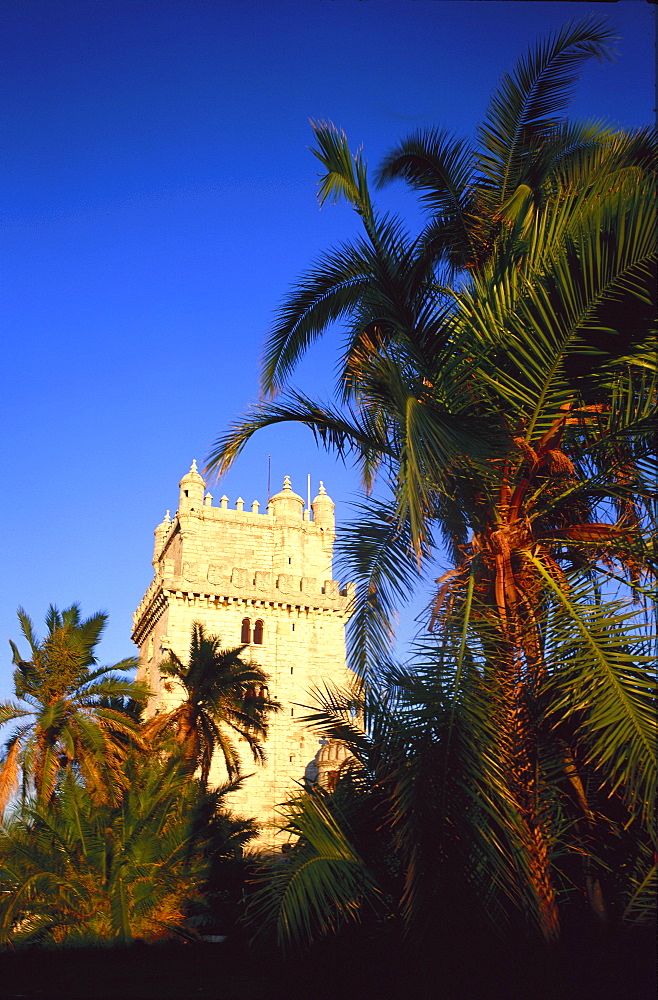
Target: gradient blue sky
{"x":159,"y":199}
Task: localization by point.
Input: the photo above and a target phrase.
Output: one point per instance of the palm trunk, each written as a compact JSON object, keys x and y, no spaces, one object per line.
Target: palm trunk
{"x":520,"y":669}
{"x":518,"y":744}
{"x":593,"y":888}
{"x":188,"y":735}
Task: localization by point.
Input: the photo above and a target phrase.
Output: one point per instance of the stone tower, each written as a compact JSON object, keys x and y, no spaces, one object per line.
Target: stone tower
{"x":263,"y":580}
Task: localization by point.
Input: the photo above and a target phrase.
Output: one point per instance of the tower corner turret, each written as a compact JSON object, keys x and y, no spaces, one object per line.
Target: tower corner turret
{"x":323,"y":510}
{"x":192,"y":489}
{"x":160,"y":534}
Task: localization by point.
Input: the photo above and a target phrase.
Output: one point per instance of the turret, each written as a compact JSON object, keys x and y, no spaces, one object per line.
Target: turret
{"x":323,"y":510}
{"x":192,"y":488}
{"x":160,"y":535}
{"x":287,"y":507}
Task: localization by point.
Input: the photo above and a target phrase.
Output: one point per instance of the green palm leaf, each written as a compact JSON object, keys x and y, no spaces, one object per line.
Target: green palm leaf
{"x":527,"y":101}
{"x":323,"y":884}
{"x":375,"y":551}
{"x":602,"y":680}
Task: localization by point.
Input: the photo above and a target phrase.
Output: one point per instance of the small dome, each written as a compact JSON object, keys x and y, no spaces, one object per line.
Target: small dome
{"x":160,"y":534}
{"x":287,"y":493}
{"x":165,"y":522}
{"x":323,"y":497}
{"x":332,"y":753}
{"x":193,"y":475}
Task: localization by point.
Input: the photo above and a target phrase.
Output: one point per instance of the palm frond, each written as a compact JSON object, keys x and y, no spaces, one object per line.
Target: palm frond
{"x":330,"y":291}
{"x":641,"y":907}
{"x":323,"y":883}
{"x":375,"y":551}
{"x":9,"y":774}
{"x":344,"y":434}
{"x":529,"y":100}
{"x":602,"y":685}
{"x":345,"y":176}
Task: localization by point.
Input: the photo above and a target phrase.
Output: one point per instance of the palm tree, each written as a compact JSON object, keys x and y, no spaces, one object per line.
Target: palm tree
{"x":493,"y":429}
{"x":86,"y":873}
{"x":69,"y":711}
{"x":222,"y":697}
{"x":341,"y":861}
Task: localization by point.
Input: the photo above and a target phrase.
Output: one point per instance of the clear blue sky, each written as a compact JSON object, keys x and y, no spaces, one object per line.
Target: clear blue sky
{"x":158,"y":200}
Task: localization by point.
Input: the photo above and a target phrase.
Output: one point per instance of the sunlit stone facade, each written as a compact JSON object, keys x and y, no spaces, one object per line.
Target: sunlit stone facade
{"x":264,"y":579}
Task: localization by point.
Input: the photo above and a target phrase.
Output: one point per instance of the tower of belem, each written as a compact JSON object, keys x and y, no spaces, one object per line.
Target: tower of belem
{"x":263,"y":581}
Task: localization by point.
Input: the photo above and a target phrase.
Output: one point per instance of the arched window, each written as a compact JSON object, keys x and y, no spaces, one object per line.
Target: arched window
{"x":258,"y":633}
{"x":245,"y":636}
{"x":252,"y":692}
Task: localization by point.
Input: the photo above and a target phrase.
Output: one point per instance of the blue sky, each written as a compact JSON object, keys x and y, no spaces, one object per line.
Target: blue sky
{"x":159,"y":200}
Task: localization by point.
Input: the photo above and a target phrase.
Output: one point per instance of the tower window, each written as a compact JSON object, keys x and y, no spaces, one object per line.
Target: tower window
{"x":261,"y":693}
{"x":258,"y":633}
{"x":245,"y":635}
